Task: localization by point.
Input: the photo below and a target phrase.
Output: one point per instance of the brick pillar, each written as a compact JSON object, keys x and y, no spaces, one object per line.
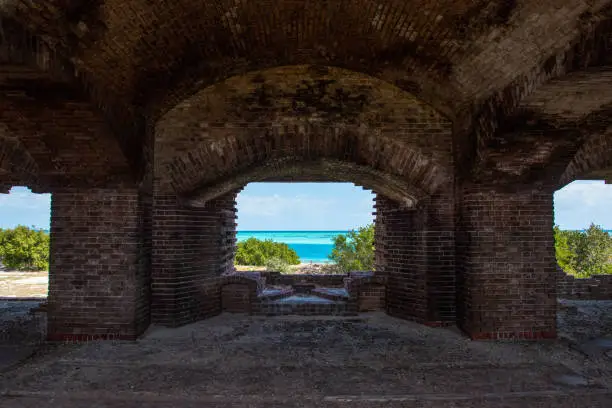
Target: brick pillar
{"x":192,"y":247}
{"x":506,"y":263}
{"x":415,"y":250}
{"x":439,"y":239}
{"x":98,"y":276}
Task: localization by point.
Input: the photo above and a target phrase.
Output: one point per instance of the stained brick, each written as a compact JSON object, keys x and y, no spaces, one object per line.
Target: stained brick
{"x":506,"y":263}
{"x":98,"y":277}
{"x":191,"y":248}
{"x":144,"y":119}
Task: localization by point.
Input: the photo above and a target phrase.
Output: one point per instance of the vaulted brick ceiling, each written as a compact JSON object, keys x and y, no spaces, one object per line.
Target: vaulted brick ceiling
{"x":449,"y":51}
{"x":306,"y":114}
{"x":473,"y":61}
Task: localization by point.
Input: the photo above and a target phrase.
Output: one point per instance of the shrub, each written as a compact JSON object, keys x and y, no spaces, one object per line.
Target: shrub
{"x":277,"y":265}
{"x":24,"y":248}
{"x":584,"y":254}
{"x":355,"y":250}
{"x":255,"y":252}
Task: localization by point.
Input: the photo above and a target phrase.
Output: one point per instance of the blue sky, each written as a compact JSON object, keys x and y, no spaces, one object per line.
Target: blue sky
{"x":304,"y":206}
{"x":324,"y":206}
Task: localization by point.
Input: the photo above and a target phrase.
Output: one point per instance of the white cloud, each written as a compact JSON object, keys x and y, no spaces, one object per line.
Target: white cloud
{"x":276,"y":205}
{"x":23,"y":198}
{"x":303,"y":211}
{"x":581,"y":203}
{"x":22,"y":207}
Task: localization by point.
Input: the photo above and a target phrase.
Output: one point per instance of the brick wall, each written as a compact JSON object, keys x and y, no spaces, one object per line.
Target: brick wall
{"x":401,"y":247}
{"x":211,"y":139}
{"x":372,"y":297}
{"x":143,"y":277}
{"x":331,"y":280}
{"x":506,"y":263}
{"x":595,"y":288}
{"x":192,"y":247}
{"x":237,"y":297}
{"x":439,"y":239}
{"x":415,"y":251}
{"x":97,"y":281}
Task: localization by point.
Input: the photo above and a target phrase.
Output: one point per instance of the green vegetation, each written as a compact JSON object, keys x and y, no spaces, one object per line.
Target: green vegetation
{"x":24,"y":249}
{"x":584,"y":254}
{"x":255,"y":252}
{"x":277,"y":265}
{"x":355,"y":250}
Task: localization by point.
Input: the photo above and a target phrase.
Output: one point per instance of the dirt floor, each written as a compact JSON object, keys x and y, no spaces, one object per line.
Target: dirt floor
{"x":371,"y":360}
{"x":367,"y":361}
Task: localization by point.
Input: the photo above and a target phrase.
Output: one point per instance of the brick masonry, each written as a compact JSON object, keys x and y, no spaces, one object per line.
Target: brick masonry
{"x":243,"y":293}
{"x":97,"y":284}
{"x":463,"y":119}
{"x":415,"y":250}
{"x":595,"y":288}
{"x":191,"y":248}
{"x":506,"y":263}
{"x":314,"y":121}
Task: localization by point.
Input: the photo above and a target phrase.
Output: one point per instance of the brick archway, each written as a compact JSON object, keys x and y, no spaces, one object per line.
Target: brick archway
{"x":306,"y":112}
{"x":297,"y":169}
{"x":318,"y":122}
{"x":15,"y":162}
{"x":593,"y":159}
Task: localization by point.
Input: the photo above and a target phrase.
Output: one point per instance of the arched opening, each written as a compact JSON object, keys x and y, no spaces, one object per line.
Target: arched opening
{"x":24,"y":243}
{"x":303,"y":242}
{"x":583,"y":240}
{"x":306,"y":216}
{"x":195,"y":244}
{"x":303,"y":123}
{"x":583,"y":249}
{"x":24,"y":268}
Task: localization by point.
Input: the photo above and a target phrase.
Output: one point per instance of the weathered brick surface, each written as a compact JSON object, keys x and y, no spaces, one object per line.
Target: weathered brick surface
{"x":415,"y":251}
{"x":97,"y":286}
{"x":237,"y":297}
{"x":330,"y":281}
{"x":580,"y":42}
{"x":15,"y":162}
{"x":206,"y":97}
{"x":372,"y":297}
{"x":506,"y":263}
{"x":313,"y":121}
{"x":43,"y":103}
{"x":192,"y":247}
{"x":143,"y":277}
{"x":593,"y":160}
{"x":595,"y":288}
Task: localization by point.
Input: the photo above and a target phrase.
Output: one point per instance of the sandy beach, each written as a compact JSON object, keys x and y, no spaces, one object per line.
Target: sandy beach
{"x":15,"y":284}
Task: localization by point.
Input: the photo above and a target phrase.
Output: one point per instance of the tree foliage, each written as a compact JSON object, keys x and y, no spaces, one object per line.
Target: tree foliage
{"x":277,"y":265}
{"x":584,"y":253}
{"x":256,"y":252}
{"x":24,"y":248}
{"x":355,"y":250}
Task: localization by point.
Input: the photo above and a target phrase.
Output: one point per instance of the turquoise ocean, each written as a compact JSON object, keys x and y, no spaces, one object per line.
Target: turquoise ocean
{"x":311,"y":246}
